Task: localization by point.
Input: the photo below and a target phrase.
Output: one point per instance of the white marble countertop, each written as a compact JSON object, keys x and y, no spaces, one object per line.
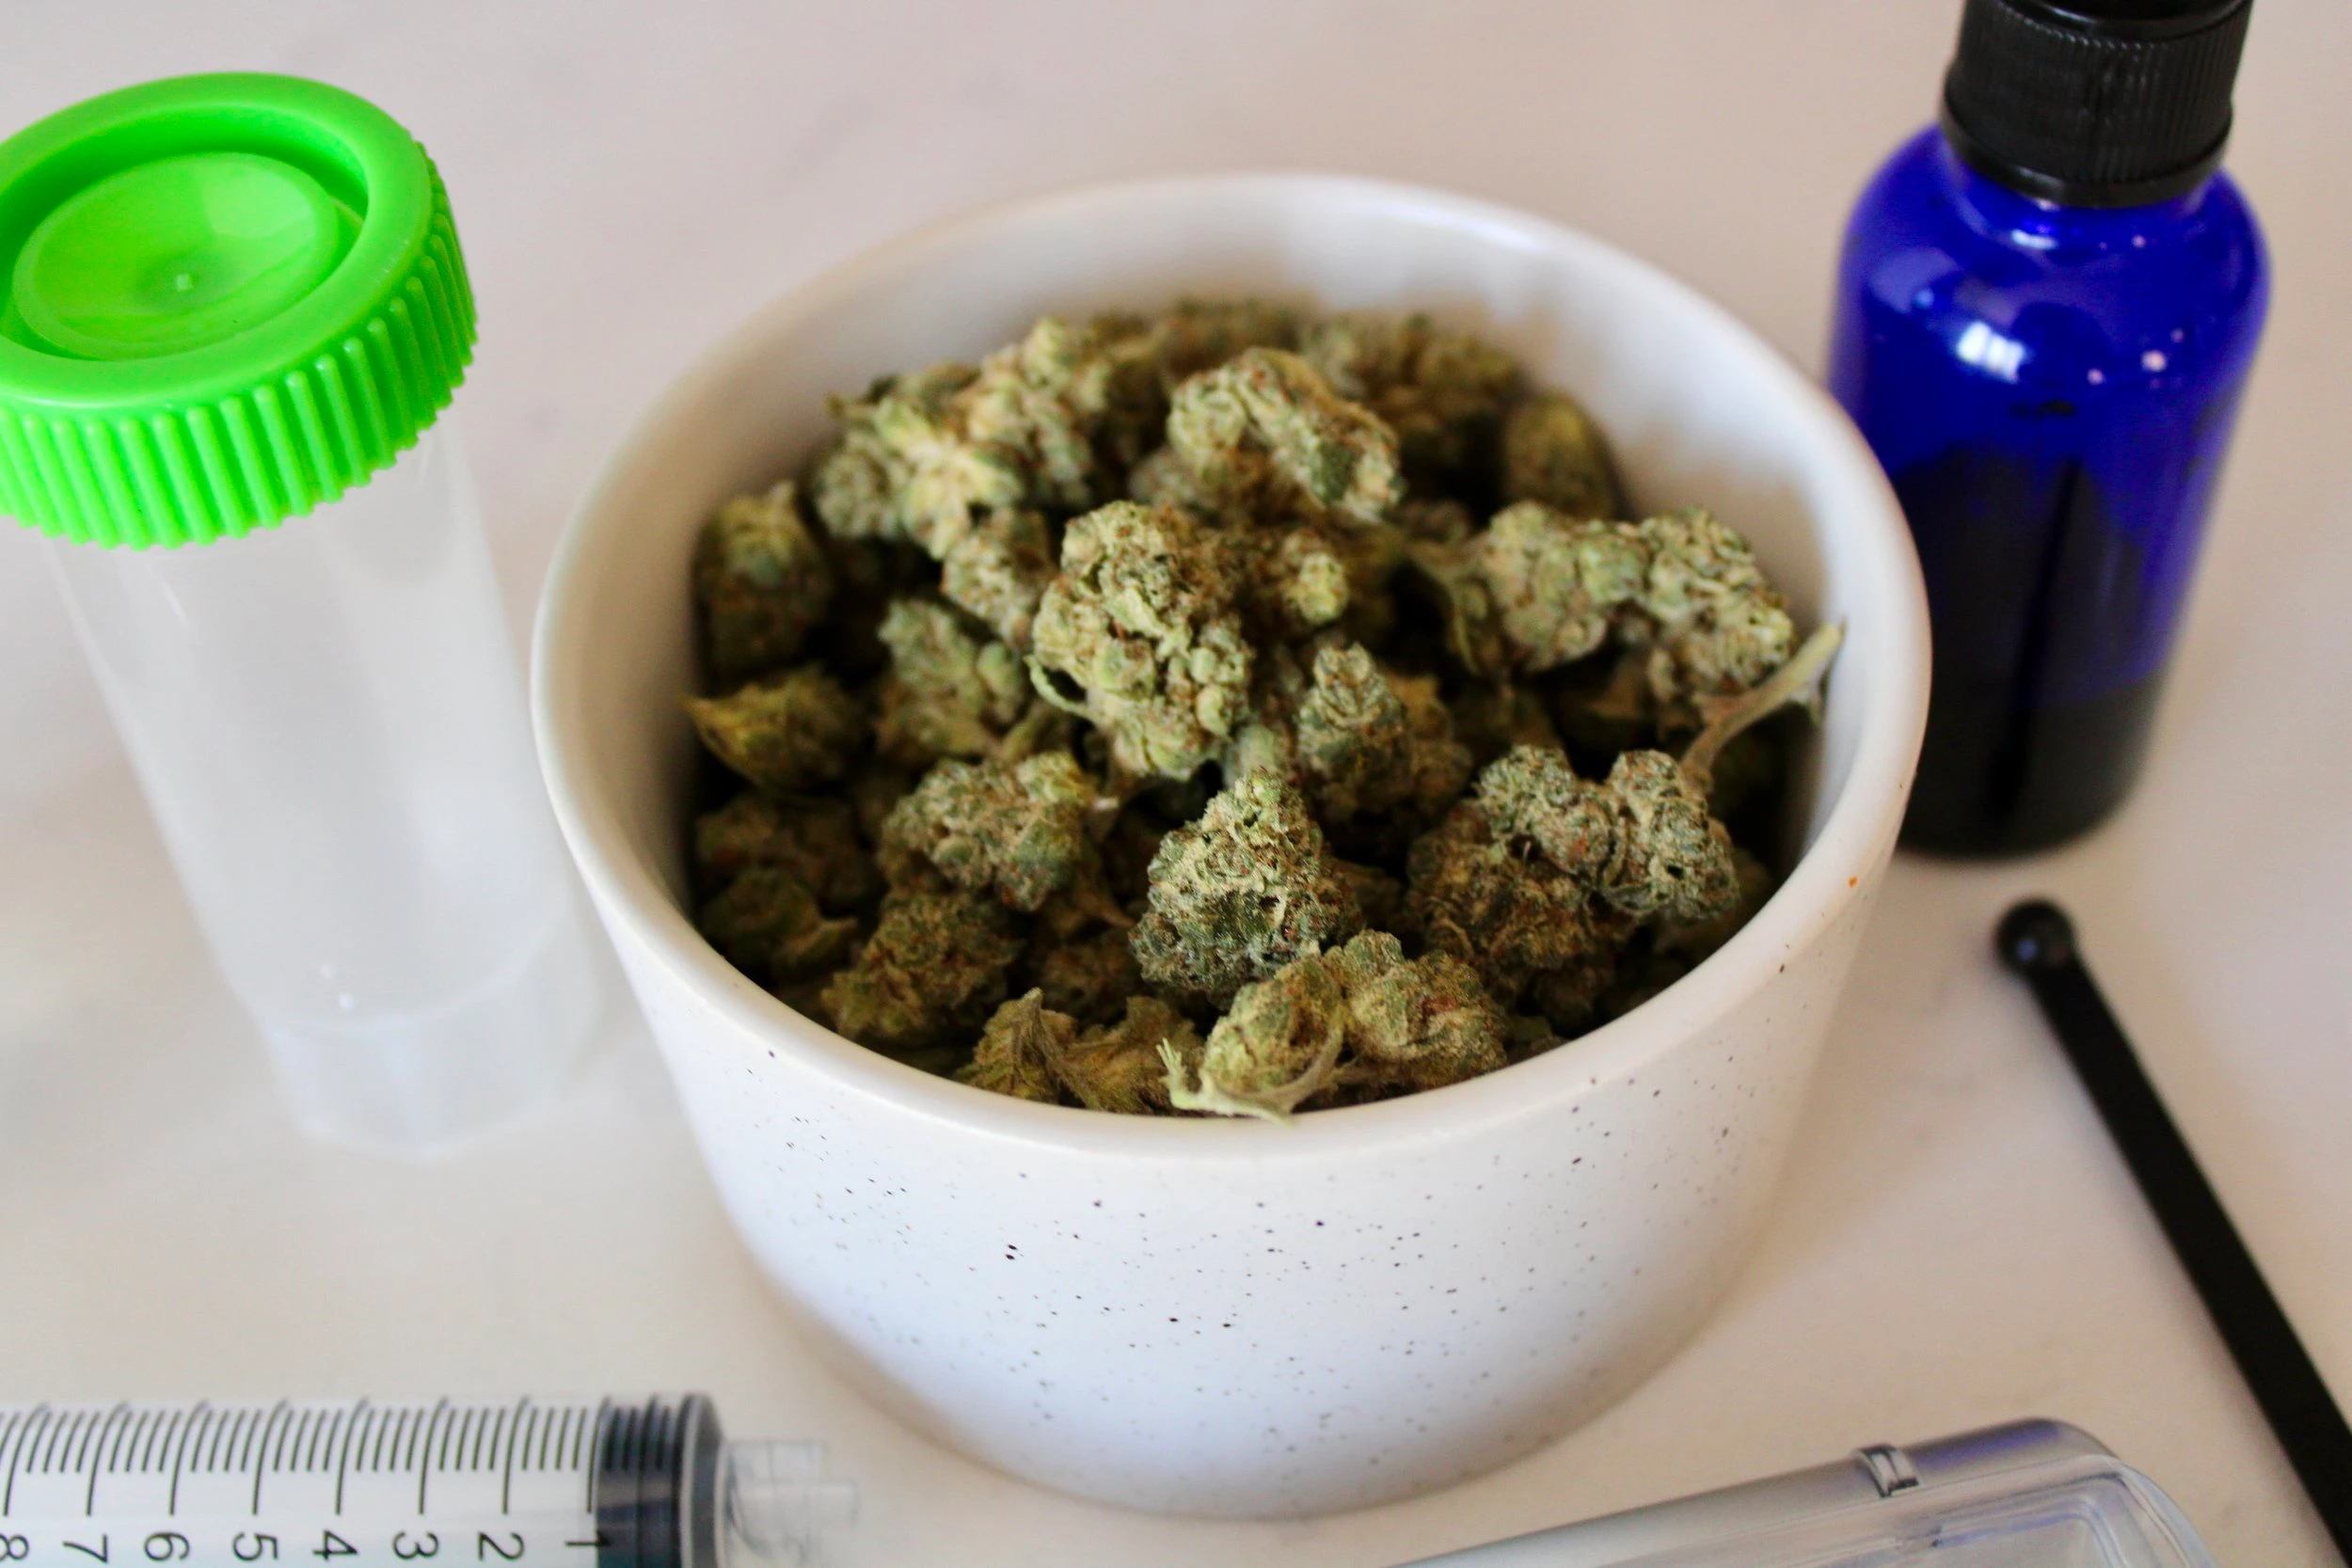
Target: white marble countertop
{"x":1955,"y":1243}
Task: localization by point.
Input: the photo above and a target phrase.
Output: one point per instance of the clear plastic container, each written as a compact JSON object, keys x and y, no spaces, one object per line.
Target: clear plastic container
{"x":329,"y":721}
{"x":2029,"y":1495}
{"x":233,"y":310}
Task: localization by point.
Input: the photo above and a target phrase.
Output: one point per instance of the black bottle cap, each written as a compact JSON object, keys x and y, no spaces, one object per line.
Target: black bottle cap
{"x":2095,"y":102}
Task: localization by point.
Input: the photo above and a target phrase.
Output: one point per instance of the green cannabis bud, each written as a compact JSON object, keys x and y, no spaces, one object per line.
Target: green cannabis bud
{"x":1442,"y":392}
{"x":762,"y":581}
{"x":788,"y":732}
{"x":1715,"y":625}
{"x":1554,"y":453}
{"x":1021,"y":1051}
{"x":1032,"y":1051}
{"x":949,"y":693}
{"x":816,"y":838}
{"x":998,"y":572}
{"x":1642,"y":840}
{"x":929,"y":975}
{"x":1365,"y":1019}
{"x":1200,"y":335}
{"x":1014,"y":829}
{"x":769,"y":925}
{"x":1051,"y":398}
{"x":1505,"y":908}
{"x":1672,"y":858}
{"x":1558,"y":583}
{"x":1540,"y":589}
{"x":1122,"y":1066}
{"x":1141,"y":634}
{"x":1414,"y":1024}
{"x":1370,"y":740}
{"x":1264,"y":431}
{"x":1090,"y":978}
{"x":1297,"y":582}
{"x":1277,"y":1046}
{"x":1242,"y":891}
{"x":908,"y":468}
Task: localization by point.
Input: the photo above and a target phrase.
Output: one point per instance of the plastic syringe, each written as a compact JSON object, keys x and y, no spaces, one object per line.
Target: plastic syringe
{"x":430,"y":1483}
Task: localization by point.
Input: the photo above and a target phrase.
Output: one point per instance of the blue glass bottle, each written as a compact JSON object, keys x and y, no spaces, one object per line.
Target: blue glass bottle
{"x":2051,"y":385}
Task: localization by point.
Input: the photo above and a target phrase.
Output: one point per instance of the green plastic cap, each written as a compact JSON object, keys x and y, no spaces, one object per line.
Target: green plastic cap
{"x":223,"y":301}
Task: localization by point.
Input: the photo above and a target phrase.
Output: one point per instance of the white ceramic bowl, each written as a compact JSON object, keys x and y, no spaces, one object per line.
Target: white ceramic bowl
{"x":1208,"y":1317}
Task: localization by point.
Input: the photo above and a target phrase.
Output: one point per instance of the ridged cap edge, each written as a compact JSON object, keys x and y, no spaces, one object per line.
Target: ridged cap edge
{"x":204,"y":471}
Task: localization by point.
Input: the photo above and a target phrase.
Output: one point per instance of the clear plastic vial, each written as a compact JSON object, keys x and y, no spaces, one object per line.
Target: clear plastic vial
{"x":284,"y":587}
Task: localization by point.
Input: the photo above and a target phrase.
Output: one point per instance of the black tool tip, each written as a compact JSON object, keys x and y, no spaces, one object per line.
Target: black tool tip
{"x":2035,"y":937}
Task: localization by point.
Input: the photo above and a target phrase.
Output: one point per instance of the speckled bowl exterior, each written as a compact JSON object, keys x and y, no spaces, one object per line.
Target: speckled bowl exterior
{"x":1208,"y":1317}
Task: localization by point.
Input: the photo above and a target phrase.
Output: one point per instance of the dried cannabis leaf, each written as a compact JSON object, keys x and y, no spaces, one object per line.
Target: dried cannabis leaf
{"x":1019,"y":1050}
{"x":1122,"y":1066}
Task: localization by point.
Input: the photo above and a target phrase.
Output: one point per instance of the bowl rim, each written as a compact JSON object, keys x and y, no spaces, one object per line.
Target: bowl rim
{"x":1853,"y":841}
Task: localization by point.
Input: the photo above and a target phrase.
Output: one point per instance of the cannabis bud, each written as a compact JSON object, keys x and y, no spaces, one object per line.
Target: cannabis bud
{"x":929,"y":975}
{"x":770,"y":923}
{"x":1442,"y":392}
{"x":762,"y":583}
{"x":1141,"y":634}
{"x":813,"y":837}
{"x":1264,"y":431}
{"x":999,"y":571}
{"x":1371,"y":741}
{"x":1242,"y":891}
{"x":1554,"y":453}
{"x":906,"y":468}
{"x":1540,"y":589}
{"x":949,"y":693}
{"x":1363,"y":1020}
{"x":791,"y":732}
{"x":1277,"y":1046}
{"x":1414,"y":1024}
{"x":1061,"y":394}
{"x":1015,"y":830}
{"x":1715,"y":625}
{"x":1034,"y":1053}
